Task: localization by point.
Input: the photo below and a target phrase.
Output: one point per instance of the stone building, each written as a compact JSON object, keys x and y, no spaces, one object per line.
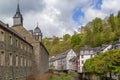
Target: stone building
{"x":21,"y":53}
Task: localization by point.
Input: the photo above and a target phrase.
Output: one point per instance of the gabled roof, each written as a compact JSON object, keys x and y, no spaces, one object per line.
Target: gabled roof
{"x":62,"y":55}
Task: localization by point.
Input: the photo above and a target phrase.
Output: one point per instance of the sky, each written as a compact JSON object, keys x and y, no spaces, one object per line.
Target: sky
{"x":57,"y":17}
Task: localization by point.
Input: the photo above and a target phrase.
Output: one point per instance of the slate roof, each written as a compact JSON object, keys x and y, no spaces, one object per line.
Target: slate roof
{"x":37,"y":30}
{"x":18,"y":13}
{"x":100,"y":48}
{"x":60,"y":56}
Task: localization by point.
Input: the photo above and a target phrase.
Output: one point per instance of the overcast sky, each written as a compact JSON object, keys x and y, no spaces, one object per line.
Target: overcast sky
{"x":57,"y":17}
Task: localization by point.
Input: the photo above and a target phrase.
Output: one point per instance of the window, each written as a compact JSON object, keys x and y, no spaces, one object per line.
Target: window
{"x":82,"y":56}
{"x":2,"y":36}
{"x":25,"y":48}
{"x":16,"y":42}
{"x":24,"y":62}
{"x":21,"y":46}
{"x":2,"y":58}
{"x":11,"y":42}
{"x":82,"y":62}
{"x":21,"y":61}
{"x":30,"y":63}
{"x":91,"y":55}
{"x":28,"y":49}
{"x":16,"y":60}
{"x":10,"y":59}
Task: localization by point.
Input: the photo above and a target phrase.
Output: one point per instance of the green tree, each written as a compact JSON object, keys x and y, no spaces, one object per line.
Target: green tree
{"x":55,"y":40}
{"x":66,"y":37}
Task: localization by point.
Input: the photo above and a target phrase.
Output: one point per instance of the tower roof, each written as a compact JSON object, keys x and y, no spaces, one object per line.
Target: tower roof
{"x":18,"y":13}
{"x":37,"y":30}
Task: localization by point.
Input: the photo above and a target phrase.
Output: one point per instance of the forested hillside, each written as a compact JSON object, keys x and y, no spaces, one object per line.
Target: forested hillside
{"x":98,"y":32}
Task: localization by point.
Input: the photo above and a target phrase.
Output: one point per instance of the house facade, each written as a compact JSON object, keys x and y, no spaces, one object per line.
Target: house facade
{"x":61,"y":61}
{"x":85,"y":53}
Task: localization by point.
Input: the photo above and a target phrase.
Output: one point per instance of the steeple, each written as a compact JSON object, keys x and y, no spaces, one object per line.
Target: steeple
{"x":18,"y":19}
{"x":37,"y":33}
{"x":18,"y":9}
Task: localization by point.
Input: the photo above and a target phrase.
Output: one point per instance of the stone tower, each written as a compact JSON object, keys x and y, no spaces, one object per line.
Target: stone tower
{"x":18,"y":19}
{"x":37,"y":34}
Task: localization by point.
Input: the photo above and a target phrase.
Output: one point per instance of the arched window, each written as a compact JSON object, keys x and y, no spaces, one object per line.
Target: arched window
{"x":2,"y":36}
{"x":2,"y":58}
{"x":11,"y":41}
{"x":16,"y":60}
{"x":21,"y":61}
{"x":10,"y":59}
{"x":24,"y":61}
{"x":30,"y":63}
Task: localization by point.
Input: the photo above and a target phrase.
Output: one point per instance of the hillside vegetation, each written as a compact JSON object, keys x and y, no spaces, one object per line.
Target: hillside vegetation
{"x":98,"y":32}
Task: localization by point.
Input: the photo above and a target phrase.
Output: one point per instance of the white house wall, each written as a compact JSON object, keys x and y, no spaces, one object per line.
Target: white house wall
{"x":83,"y":57}
{"x":55,"y":64}
{"x":64,"y":63}
{"x":70,"y":55}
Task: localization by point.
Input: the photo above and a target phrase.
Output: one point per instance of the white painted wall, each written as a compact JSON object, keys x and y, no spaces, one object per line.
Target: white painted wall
{"x":82,"y":58}
{"x":70,"y":55}
{"x":55,"y":64}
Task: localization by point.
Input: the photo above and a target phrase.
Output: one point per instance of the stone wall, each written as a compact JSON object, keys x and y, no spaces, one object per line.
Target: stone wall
{"x":44,"y":57}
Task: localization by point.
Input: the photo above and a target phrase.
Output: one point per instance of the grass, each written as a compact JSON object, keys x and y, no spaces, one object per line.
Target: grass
{"x":61,"y":76}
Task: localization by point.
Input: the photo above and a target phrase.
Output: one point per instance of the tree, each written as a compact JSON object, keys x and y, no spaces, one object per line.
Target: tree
{"x":97,"y":25}
{"x":55,"y":40}
{"x":66,"y":37}
{"x":75,"y":40}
